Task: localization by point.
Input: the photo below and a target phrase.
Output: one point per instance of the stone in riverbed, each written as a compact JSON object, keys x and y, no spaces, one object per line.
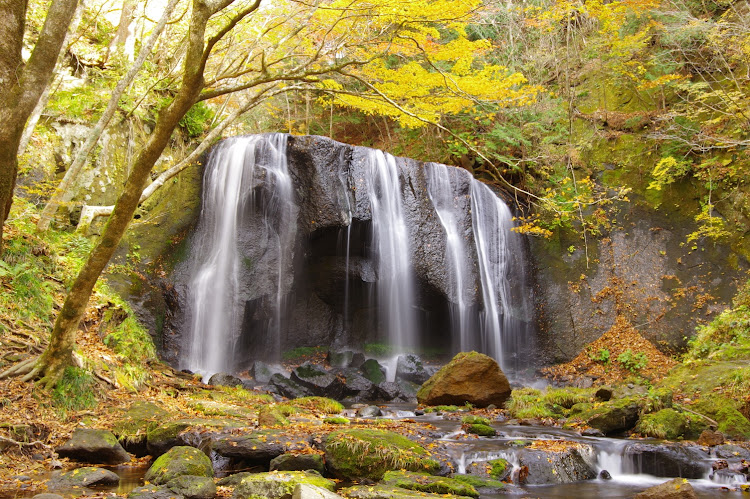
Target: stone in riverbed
{"x":679,"y":488}
{"x":193,"y":487}
{"x":306,"y":491}
{"x":278,"y":485}
{"x":287,"y":387}
{"x":319,"y":381}
{"x":372,"y":370}
{"x":179,"y":461}
{"x":153,"y":492}
{"x":410,"y":368}
{"x":224,"y":379}
{"x":298,"y":462}
{"x":469,"y":377}
{"x":135,"y":423}
{"x":83,"y":477}
{"x":257,"y":448}
{"x":93,"y":446}
{"x":551,"y":466}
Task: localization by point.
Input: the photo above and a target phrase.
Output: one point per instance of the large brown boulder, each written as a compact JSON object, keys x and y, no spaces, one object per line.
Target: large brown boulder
{"x":679,"y":488}
{"x":470,"y":377}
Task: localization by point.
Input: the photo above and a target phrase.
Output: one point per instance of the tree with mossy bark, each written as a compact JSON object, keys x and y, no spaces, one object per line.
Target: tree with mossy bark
{"x":22,"y":82}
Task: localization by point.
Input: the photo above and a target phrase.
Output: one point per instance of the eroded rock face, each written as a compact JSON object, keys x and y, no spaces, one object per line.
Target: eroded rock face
{"x":470,"y":377}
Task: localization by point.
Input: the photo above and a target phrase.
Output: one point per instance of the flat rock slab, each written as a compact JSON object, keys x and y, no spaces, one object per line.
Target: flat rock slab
{"x":278,"y":485}
{"x":258,"y":447}
{"x":93,"y":446}
{"x":305,"y":491}
{"x":679,"y":488}
{"x":88,"y":476}
{"x":153,"y":492}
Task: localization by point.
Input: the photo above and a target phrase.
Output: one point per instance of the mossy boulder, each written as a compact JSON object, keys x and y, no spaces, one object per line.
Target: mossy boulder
{"x":482,"y":430}
{"x":179,"y":461}
{"x":423,"y":482}
{"x":336,"y":420}
{"x":298,"y":462}
{"x":470,"y":377}
{"x":481,"y":484}
{"x":269,"y":416}
{"x":88,"y":476}
{"x":135,"y":423}
{"x":494,"y":469}
{"x":278,"y":485}
{"x":364,"y":453}
{"x":213,"y":408}
{"x":615,"y":416}
{"x":193,"y":487}
{"x":172,"y":433}
{"x":389,"y":492}
{"x":318,"y":404}
{"x":234,"y":479}
{"x":472,"y":419}
{"x":665,"y":424}
{"x":731,"y":421}
{"x":372,"y":370}
{"x":93,"y":446}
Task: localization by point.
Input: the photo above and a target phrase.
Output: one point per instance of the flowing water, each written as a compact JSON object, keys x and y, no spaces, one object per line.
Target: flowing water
{"x":244,"y":255}
{"x":215,"y":300}
{"x":441,"y":187}
{"x":390,"y":242}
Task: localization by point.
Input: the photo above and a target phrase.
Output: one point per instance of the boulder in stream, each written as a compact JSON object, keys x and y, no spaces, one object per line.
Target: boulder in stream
{"x":193,"y":487}
{"x":470,"y":377}
{"x":679,"y":488}
{"x":178,"y":461}
{"x":355,"y":454}
{"x":88,"y":476}
{"x":278,"y":485}
{"x":93,"y":446}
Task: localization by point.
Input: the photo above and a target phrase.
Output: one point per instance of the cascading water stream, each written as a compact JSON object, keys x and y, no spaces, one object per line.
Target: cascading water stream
{"x":492,"y":223}
{"x":214,"y":290}
{"x":390,"y":239}
{"x":442,"y":194}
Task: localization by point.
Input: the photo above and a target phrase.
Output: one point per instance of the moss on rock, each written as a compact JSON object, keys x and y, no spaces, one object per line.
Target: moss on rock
{"x":482,"y":430}
{"x":179,"y":461}
{"x":364,"y":453}
{"x":665,"y":424}
{"x":423,"y":482}
{"x":278,"y":485}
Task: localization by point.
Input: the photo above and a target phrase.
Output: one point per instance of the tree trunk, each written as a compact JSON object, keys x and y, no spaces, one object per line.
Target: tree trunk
{"x":22,"y":85}
{"x":64,"y":191}
{"x":123,"y":41}
{"x":59,"y":353}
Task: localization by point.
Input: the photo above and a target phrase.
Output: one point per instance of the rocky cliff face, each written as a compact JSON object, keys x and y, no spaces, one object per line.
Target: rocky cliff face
{"x":640,"y":267}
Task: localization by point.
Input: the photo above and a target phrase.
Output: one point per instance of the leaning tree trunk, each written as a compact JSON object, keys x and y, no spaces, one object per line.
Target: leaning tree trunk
{"x":59,"y":352}
{"x":64,"y":191}
{"x":22,"y":85}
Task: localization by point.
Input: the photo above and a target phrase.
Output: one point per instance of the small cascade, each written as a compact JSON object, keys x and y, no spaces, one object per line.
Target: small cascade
{"x":390,"y":243}
{"x":441,"y":189}
{"x":215,"y":300}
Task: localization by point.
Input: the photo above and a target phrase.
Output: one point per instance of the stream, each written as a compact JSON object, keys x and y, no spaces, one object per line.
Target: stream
{"x":629,"y":474}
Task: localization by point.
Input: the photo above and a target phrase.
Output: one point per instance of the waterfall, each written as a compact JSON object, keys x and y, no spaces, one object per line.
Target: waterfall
{"x":314,"y":246}
{"x":215,"y":300}
{"x":390,"y":240}
{"x":500,"y":333}
{"x":442,"y":193}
